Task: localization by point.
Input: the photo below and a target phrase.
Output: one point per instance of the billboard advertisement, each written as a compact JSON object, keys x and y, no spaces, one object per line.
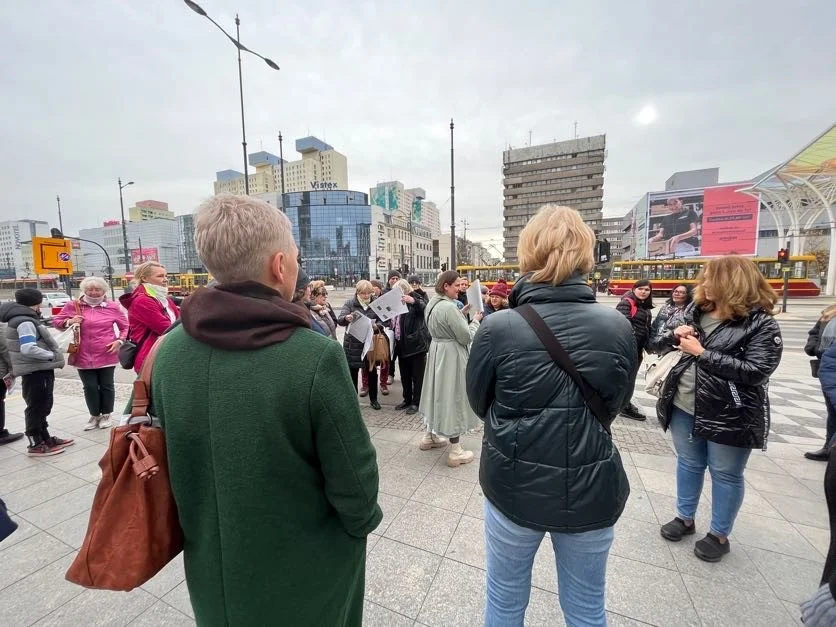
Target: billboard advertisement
{"x":729,"y":222}
{"x":674,"y":223}
{"x":141,"y":255}
{"x":706,"y":222}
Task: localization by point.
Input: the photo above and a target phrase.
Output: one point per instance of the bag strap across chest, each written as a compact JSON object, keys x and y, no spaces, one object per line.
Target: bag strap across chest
{"x":562,"y":359}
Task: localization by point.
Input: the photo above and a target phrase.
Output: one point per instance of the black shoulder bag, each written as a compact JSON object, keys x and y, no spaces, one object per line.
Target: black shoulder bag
{"x":130,"y":349}
{"x":562,"y":359}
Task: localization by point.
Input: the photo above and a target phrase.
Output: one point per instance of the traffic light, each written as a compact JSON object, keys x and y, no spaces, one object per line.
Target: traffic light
{"x":783,"y":256}
{"x":444,"y":267}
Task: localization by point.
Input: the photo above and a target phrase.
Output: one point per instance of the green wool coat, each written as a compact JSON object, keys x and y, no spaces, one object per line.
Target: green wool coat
{"x":274,"y":476}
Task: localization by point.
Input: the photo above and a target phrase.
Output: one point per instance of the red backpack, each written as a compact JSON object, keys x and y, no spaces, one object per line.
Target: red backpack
{"x":633,"y":307}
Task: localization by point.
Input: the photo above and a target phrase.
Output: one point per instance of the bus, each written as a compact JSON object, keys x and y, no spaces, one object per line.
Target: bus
{"x":665,"y":274}
{"x":490,"y":275}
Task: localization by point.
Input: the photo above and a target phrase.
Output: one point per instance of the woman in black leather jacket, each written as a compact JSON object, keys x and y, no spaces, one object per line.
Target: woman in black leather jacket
{"x":715,"y":399}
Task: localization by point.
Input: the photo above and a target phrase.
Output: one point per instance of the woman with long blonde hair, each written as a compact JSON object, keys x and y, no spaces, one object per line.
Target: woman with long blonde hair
{"x":715,"y":399}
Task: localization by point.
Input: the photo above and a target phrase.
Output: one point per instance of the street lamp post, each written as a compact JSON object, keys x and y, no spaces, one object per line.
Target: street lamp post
{"x":124,"y":228}
{"x":452,"y":202}
{"x":236,"y":41}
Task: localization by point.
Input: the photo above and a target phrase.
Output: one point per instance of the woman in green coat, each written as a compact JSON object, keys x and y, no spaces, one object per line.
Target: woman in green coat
{"x":444,"y":407}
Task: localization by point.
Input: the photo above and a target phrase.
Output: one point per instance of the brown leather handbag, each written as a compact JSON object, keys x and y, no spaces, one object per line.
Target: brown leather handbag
{"x":74,"y":346}
{"x":134,"y":530}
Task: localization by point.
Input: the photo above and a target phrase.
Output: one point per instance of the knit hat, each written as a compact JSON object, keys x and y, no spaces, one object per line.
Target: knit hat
{"x":28,"y":297}
{"x":500,"y":289}
{"x":393,"y":273}
{"x":413,"y":279}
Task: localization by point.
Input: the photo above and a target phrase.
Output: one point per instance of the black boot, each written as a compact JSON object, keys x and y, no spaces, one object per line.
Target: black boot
{"x":633,"y":413}
{"x":822,"y":455}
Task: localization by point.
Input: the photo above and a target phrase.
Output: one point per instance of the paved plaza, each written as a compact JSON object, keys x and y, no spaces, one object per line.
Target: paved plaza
{"x":426,"y":560}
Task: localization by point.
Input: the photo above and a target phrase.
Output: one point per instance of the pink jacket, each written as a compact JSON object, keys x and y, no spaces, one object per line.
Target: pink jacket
{"x":148,"y":320}
{"x":97,"y":332}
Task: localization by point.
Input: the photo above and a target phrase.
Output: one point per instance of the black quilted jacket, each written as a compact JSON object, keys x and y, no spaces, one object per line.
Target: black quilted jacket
{"x":732,"y":404}
{"x":546,"y":461}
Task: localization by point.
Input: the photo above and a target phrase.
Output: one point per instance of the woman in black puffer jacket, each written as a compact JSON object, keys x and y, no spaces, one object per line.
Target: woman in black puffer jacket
{"x":637,"y":307}
{"x":547,"y":464}
{"x":715,"y":399}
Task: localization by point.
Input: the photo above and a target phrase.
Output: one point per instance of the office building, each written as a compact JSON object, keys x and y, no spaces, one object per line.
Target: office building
{"x":189,"y":259}
{"x":395,"y":199}
{"x":568,"y":173}
{"x":148,"y":240}
{"x":333,"y":232}
{"x":612,"y":230}
{"x":320,"y":168}
{"x":150,"y":210}
{"x":16,"y":256}
{"x":692,"y":179}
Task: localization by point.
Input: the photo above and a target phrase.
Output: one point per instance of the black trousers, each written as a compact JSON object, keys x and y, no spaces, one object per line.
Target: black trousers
{"x":2,"y":406}
{"x":412,"y":377}
{"x":635,"y":374}
{"x":99,"y":390}
{"x":37,"y":393}
{"x":373,"y":381}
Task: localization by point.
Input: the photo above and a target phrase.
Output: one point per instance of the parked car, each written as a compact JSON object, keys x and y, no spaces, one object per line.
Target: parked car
{"x":52,"y":303}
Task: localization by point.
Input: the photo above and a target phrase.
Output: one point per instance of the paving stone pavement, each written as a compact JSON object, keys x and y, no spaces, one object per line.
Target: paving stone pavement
{"x":426,"y":560}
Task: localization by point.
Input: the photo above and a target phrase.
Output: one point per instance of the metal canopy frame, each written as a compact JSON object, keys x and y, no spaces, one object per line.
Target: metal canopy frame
{"x":797,"y":192}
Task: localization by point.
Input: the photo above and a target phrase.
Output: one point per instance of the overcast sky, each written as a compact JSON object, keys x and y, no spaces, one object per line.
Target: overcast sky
{"x":148,"y":91}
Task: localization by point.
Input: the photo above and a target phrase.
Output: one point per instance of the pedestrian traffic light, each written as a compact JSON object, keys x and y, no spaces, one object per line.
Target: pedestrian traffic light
{"x":444,"y":267}
{"x":783,"y":256}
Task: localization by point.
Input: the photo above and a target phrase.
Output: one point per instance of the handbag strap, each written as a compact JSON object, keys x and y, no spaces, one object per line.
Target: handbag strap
{"x":562,"y":359}
{"x":142,"y":386}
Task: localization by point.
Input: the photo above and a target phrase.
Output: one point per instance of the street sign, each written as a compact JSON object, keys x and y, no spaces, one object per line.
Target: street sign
{"x":52,"y":255}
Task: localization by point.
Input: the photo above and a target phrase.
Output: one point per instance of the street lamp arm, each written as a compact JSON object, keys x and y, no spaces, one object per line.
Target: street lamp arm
{"x":107,"y":257}
{"x":196,"y":8}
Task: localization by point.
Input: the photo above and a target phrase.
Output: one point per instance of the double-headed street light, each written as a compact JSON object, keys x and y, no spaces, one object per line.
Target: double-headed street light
{"x":124,"y":229}
{"x":236,"y":41}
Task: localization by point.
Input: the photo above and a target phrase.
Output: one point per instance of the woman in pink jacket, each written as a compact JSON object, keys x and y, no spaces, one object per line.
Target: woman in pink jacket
{"x":150,"y":309}
{"x":103,"y":327}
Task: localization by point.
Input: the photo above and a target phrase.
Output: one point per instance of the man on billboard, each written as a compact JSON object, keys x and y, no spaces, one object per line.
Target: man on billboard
{"x":678,"y":231}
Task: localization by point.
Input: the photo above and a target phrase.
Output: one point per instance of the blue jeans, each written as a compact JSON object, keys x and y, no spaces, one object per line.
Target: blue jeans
{"x":726,"y":464}
{"x":581,"y":571}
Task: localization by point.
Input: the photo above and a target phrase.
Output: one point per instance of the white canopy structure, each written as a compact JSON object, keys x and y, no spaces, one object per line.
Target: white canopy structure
{"x":798,"y":191}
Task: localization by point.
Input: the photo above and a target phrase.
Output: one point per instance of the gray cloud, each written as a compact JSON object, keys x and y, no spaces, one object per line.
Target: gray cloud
{"x":148,"y":91}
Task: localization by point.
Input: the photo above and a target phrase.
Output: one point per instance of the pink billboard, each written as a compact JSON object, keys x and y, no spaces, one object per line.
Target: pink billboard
{"x":141,"y":255}
{"x":729,"y":222}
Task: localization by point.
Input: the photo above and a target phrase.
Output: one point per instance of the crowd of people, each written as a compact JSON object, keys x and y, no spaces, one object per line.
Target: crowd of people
{"x":264,"y":432}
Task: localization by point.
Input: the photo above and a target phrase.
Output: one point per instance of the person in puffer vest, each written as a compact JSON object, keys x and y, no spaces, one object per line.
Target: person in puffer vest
{"x":35,"y":356}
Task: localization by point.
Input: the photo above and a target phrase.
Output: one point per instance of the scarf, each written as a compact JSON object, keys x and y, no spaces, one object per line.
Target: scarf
{"x":242,"y":316}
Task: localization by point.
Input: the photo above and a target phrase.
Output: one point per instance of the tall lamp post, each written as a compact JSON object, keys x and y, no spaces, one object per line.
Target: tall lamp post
{"x":124,"y":229}
{"x":453,"y":260}
{"x":236,"y":41}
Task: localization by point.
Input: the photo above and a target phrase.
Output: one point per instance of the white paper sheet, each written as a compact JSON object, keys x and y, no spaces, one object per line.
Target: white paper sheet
{"x":474,"y":297}
{"x":368,"y":344}
{"x":391,"y":335}
{"x":389,"y":305}
{"x":360,"y":327}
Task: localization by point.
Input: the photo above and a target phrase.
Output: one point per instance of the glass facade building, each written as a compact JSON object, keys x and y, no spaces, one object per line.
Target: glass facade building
{"x":333,"y":232}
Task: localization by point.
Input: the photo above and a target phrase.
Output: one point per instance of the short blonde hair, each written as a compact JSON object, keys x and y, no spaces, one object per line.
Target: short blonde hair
{"x":404,"y":286}
{"x":555,"y":244}
{"x":143,"y":270}
{"x":737,"y":287}
{"x":315,"y":285}
{"x":94,"y":281}
{"x":364,"y":286}
{"x":236,"y":236}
